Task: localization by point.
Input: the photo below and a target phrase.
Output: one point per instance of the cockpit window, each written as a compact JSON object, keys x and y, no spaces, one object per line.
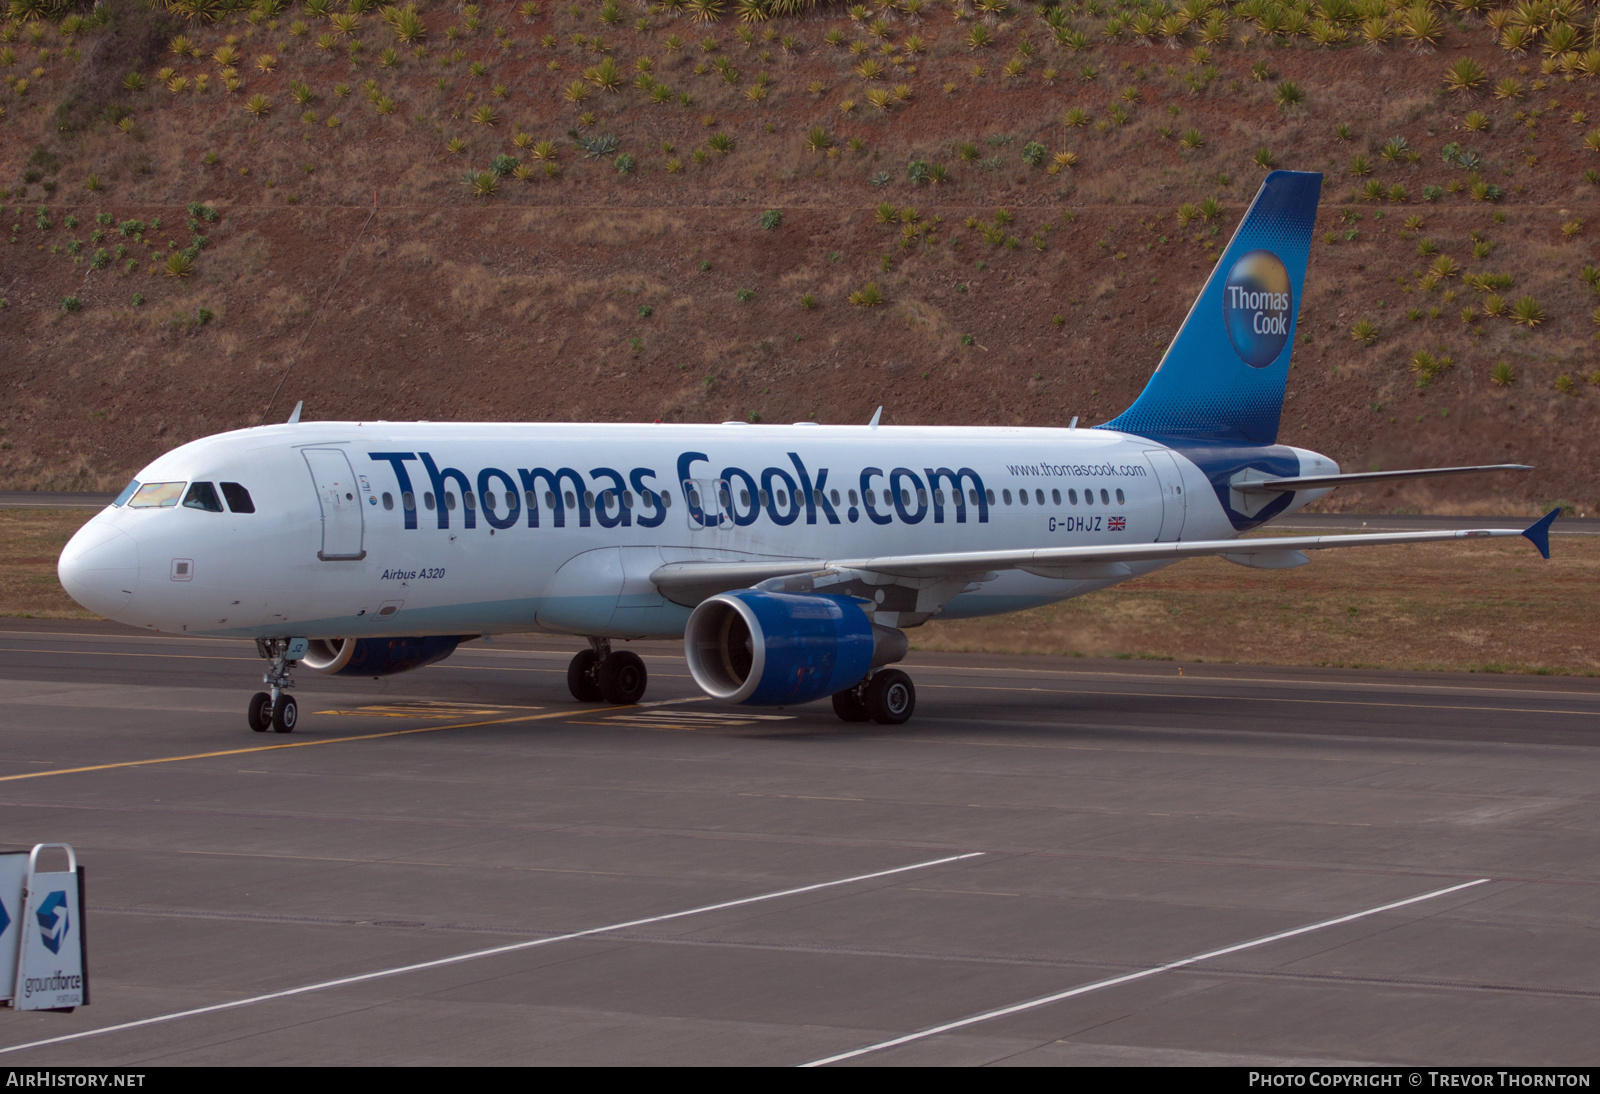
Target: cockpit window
{"x":156,"y":495}
{"x":238,"y":498}
{"x":127,"y":492}
{"x":202,"y":495}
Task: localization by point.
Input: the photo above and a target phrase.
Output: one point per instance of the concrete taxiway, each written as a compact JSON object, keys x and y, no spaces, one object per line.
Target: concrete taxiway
{"x":1056,"y":861}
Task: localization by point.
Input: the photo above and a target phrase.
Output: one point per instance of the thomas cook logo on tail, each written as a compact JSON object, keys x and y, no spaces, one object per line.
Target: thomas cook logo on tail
{"x":1257,"y":302}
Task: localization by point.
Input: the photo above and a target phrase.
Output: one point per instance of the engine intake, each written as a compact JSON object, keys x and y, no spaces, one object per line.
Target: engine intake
{"x":377,"y":656}
{"x":772,"y":649}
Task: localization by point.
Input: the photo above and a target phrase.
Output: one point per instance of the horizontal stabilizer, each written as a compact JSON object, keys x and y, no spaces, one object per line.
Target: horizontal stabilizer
{"x":1326,"y":482}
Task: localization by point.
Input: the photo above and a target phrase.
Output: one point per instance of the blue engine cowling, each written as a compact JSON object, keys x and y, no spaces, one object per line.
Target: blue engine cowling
{"x":378,"y":656}
{"x":772,"y":649}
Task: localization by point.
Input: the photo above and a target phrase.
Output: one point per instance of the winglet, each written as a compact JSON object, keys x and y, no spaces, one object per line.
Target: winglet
{"x":1538,"y":533}
{"x":294,"y":416}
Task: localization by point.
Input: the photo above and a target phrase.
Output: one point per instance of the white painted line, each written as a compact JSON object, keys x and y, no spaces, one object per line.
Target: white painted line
{"x":1084,"y":989}
{"x":492,"y":952}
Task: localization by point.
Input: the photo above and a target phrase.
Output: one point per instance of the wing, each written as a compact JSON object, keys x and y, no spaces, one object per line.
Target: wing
{"x":937,"y":577}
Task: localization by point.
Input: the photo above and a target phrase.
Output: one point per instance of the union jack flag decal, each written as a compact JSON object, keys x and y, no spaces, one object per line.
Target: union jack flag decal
{"x":1117,"y":524}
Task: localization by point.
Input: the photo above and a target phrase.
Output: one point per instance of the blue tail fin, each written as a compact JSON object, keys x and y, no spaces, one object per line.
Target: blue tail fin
{"x":1223,"y":376}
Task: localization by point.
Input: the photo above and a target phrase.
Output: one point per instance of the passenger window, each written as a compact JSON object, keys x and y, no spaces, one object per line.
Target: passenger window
{"x":388,"y":500}
{"x":922,"y":496}
{"x":572,"y":501}
{"x":938,"y":497}
{"x":427,"y":498}
{"x":1022,"y":497}
{"x":666,"y":499}
{"x":202,"y":495}
{"x":1105,"y":498}
{"x":872,"y":497}
{"x":1072,"y":497}
{"x":127,"y":492}
{"x":409,"y":500}
{"x":1039,"y":496}
{"x":238,"y":498}
{"x":1006,"y":494}
{"x":1120,"y":499}
{"x":989,"y":495}
{"x":549,"y":500}
{"x":449,"y":501}
{"x":853,"y":498}
{"x":761,"y":495}
{"x":835,"y":495}
{"x":1055,"y":497}
{"x":1088,"y":497}
{"x":972,"y":496}
{"x":905,"y":497}
{"x":471,"y":502}
{"x":627,"y":499}
{"x":488,"y":500}
{"x":156,"y":495}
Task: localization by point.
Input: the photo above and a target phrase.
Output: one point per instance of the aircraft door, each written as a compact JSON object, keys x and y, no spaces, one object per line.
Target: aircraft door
{"x":1173,"y":505}
{"x":337,"y":493}
{"x":707,"y":504}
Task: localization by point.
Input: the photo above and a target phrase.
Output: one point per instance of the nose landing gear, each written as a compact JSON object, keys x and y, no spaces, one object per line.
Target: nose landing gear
{"x":276,"y":710}
{"x":599,"y":674}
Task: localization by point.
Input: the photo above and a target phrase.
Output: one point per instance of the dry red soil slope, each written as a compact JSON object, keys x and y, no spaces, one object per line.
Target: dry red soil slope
{"x":628,"y":212}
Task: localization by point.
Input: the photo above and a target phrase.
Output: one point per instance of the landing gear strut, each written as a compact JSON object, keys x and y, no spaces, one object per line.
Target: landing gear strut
{"x":598,"y":673}
{"x":887,"y":697}
{"x":275,"y":709}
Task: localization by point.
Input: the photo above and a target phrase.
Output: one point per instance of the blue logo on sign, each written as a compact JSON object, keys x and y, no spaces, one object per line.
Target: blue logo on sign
{"x":5,"y":920}
{"x":1257,"y":304}
{"x":52,"y":916}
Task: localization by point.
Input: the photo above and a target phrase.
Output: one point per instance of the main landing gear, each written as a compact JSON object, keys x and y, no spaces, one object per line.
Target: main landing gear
{"x":275,"y":710}
{"x":887,"y":697}
{"x":598,"y":674}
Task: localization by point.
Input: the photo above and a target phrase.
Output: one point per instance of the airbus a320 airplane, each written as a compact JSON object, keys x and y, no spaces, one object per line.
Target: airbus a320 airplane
{"x":790,"y":558}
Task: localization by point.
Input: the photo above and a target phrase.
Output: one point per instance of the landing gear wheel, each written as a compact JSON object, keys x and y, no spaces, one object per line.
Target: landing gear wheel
{"x":891,"y":697}
{"x":622,"y":678}
{"x":260,"y":712}
{"x":848,"y":705}
{"x":285,"y":714}
{"x":581,"y":677}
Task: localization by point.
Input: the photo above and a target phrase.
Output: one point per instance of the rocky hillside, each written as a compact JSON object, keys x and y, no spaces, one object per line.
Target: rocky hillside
{"x":770,"y":210}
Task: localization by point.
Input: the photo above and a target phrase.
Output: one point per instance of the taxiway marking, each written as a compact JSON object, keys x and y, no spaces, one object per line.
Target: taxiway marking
{"x":494,"y":951}
{"x":1084,"y":989}
{"x":292,"y":744}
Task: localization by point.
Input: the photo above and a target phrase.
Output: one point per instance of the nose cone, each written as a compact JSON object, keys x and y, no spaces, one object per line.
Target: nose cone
{"x":99,"y":568}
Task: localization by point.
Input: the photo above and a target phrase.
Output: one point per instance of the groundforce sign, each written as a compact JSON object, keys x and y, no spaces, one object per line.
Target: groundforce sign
{"x":42,"y":941}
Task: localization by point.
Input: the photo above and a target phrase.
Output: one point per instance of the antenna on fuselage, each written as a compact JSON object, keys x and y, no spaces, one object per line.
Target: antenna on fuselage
{"x":876,"y":414}
{"x":1074,"y":423}
{"x":294,"y":416}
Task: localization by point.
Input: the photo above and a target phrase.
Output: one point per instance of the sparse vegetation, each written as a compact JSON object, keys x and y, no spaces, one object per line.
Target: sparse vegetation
{"x":868,"y":296}
{"x":702,"y":104}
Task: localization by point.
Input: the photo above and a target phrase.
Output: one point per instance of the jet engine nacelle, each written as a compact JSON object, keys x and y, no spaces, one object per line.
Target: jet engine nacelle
{"x":377,"y":656}
{"x":771,"y":649}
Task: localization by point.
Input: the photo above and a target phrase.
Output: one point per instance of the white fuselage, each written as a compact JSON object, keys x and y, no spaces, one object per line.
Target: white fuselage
{"x":331,"y":549}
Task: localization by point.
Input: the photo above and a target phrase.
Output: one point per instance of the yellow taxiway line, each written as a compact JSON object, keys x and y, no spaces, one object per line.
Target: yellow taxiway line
{"x":298,"y":744}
